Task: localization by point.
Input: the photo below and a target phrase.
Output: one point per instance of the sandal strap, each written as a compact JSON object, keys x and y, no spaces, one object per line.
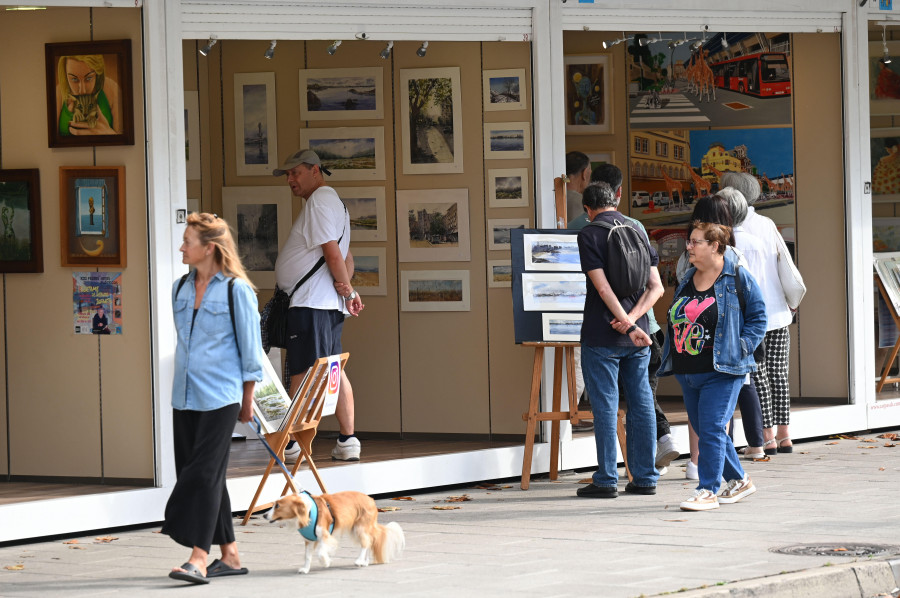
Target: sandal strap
{"x":770,"y":441}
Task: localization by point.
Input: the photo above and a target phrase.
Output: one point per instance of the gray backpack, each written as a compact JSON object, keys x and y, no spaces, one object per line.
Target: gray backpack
{"x":627,"y":258}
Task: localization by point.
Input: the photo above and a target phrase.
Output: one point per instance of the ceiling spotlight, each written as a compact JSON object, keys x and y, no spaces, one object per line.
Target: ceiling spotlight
{"x":646,"y":41}
{"x":610,"y":43}
{"x":333,"y":47}
{"x":206,"y":49}
{"x":271,"y":51}
{"x":422,"y":50}
{"x":724,"y":41}
{"x":886,"y":59}
{"x":385,"y":54}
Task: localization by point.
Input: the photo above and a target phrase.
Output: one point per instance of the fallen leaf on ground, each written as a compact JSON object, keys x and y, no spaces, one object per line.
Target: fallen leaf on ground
{"x":867,"y":447}
{"x":485,"y":487}
{"x":14,"y":567}
{"x":888,"y":436}
{"x":846,"y":437}
{"x":764,"y":459}
{"x":507,"y":486}
{"x":675,"y":520}
{"x":869,"y":440}
{"x":445,"y":508}
{"x":881,"y":469}
{"x":586,"y":481}
{"x":889,"y":445}
{"x":839,"y":550}
{"x":105,"y":539}
{"x":804,"y":452}
{"x":388,"y":509}
{"x":463,"y":498}
{"x":403,"y":498}
{"x":77,"y":547}
{"x":71,"y":542}
{"x":831,"y":443}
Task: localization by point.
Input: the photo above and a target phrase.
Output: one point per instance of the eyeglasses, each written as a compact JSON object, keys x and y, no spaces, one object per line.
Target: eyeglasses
{"x":693,"y":242}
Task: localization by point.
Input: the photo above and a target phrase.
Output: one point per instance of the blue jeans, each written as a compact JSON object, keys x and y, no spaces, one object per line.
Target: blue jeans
{"x":601,"y":366}
{"x":710,"y":399}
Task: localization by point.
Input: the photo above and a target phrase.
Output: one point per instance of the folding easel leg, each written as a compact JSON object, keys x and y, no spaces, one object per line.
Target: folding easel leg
{"x":887,"y":365}
{"x":531,"y":416}
{"x":557,"y":400}
{"x":315,"y":472}
{"x":623,"y":441}
{"x":262,"y":483}
{"x":570,"y":380}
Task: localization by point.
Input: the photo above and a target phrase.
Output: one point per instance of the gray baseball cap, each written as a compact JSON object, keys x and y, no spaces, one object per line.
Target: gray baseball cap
{"x":304,"y":156}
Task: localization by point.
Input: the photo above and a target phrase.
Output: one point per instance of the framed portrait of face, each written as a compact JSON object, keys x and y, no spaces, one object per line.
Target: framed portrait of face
{"x":89,"y":93}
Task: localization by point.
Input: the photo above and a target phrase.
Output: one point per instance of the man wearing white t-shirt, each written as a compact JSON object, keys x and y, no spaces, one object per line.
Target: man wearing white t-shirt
{"x":318,"y":249}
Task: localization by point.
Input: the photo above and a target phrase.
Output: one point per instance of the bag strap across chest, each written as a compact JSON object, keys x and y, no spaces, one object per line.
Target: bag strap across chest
{"x":230,"y":303}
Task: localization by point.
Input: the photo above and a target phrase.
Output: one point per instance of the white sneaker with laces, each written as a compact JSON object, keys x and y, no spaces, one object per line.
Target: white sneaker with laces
{"x":700,"y":500}
{"x":292,"y":451}
{"x":666,"y":451}
{"x":346,"y":451}
{"x":690,"y":472}
{"x":737,"y":490}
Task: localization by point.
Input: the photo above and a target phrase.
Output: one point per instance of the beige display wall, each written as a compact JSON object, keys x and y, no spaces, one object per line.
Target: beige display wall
{"x":819,"y":358}
{"x":456,"y":373}
{"x":79,"y":406}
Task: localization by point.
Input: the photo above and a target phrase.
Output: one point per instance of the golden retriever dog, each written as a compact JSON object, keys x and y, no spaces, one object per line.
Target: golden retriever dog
{"x":321,"y":518}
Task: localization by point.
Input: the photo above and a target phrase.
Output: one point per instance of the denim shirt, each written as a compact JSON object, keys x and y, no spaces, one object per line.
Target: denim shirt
{"x":737,"y":334}
{"x":209,"y":371}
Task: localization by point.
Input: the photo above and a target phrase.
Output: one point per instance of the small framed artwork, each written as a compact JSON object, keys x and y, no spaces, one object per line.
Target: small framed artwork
{"x":271,"y":402}
{"x":261,"y":220}
{"x":588,"y":94}
{"x":435,"y":290}
{"x":885,"y":156}
{"x":255,"y":129}
{"x":367,"y":212}
{"x":560,"y":291}
{"x":598,"y":158}
{"x":342,"y":94}
{"x":504,"y":89}
{"x":431,"y":121}
{"x":561,"y":327}
{"x":192,"y":135}
{"x":433,"y":225}
{"x":498,"y":231}
{"x":884,"y":79}
{"x":499,"y":274}
{"x":508,"y":187}
{"x":507,"y":141}
{"x":92,"y":215}
{"x":369,"y":276}
{"x":21,"y":246}
{"x":89,"y":87}
{"x":551,"y":252}
{"x":350,"y":153}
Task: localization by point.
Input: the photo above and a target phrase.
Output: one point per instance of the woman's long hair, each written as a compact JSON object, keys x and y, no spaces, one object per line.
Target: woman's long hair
{"x":214,"y":231}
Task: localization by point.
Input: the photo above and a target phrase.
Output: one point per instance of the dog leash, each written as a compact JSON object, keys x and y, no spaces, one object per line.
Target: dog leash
{"x":259,"y":434}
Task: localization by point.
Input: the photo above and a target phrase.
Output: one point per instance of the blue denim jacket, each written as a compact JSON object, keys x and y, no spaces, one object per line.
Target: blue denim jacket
{"x":209,"y":372}
{"x":737,"y":334}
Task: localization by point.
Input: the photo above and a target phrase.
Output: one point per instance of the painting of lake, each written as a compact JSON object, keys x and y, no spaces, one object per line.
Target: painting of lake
{"x":552,"y":252}
{"x":559,"y":292}
{"x":340,"y":93}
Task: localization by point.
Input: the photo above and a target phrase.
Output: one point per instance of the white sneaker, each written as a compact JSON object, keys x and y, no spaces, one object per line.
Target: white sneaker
{"x":663,"y":471}
{"x":666,"y":451}
{"x":292,"y":451}
{"x":736,"y":490}
{"x":700,"y":500}
{"x":690,"y":472}
{"x":346,"y":451}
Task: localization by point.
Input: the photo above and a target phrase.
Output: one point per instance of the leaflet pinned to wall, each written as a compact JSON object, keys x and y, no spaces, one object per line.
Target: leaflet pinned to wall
{"x":97,"y":302}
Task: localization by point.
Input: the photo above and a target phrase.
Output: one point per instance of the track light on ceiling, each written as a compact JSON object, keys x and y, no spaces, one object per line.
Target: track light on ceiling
{"x":386,"y":53}
{"x":607,"y":44}
{"x":724,"y":41}
{"x":209,"y":44}
{"x":333,"y":47}
{"x":886,"y":58}
{"x":646,"y":41}
{"x":422,"y":50}
{"x":271,"y":51}
{"x":698,"y":43}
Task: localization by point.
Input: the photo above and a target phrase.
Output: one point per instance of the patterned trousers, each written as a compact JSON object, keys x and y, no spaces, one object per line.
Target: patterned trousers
{"x":771,"y":379}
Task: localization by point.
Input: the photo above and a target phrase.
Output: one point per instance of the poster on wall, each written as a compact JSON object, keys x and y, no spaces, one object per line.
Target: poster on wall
{"x":21,"y":246}
{"x":97,"y":302}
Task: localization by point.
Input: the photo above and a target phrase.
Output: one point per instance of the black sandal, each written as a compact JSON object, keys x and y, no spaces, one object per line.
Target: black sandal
{"x":784,"y":449}
{"x":770,"y":451}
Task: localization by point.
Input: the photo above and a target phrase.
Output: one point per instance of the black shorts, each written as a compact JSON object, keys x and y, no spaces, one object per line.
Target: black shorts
{"x":312,"y":333}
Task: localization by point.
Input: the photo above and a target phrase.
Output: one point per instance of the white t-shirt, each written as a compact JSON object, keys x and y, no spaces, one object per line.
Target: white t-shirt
{"x":764,"y":230}
{"x":323,"y":219}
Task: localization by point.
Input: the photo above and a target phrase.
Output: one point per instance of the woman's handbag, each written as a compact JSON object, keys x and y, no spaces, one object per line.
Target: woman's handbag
{"x":789,"y":276}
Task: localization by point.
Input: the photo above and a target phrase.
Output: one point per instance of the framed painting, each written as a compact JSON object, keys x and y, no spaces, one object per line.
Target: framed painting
{"x":887,"y":265}
{"x":350,"y":153}
{"x":342,"y":94}
{"x":261,"y":220}
{"x":551,"y":252}
{"x":433,"y":225}
{"x":431,"y":121}
{"x":192,"y":135}
{"x":499,"y":274}
{"x":588,"y":94}
{"x":504,"y":89}
{"x":884,"y":79}
{"x":369,"y":276}
{"x":255,"y":129}
{"x":561,"y":327}
{"x":508,"y":187}
{"x":435,"y":290}
{"x":89,"y":87}
{"x":367,"y":212}
{"x":92,"y":215}
{"x":507,"y":141}
{"x":271,"y":402}
{"x":553,"y":291}
{"x":598,"y":158}
{"x":498,"y":231}
{"x":21,"y":246}
{"x":885,"y":156}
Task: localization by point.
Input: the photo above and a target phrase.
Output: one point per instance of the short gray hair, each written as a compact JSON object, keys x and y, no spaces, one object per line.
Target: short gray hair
{"x":747,"y":184}
{"x":599,"y":195}
{"x":736,"y":202}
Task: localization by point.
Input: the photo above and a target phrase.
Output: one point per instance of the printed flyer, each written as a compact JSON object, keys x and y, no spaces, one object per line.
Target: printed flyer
{"x":97,"y":302}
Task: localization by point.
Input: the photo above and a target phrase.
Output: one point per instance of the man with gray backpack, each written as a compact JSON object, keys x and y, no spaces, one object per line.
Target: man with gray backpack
{"x":623,"y":284}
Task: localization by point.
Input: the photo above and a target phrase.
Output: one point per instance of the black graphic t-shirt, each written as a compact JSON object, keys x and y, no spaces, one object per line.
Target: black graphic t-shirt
{"x":692,"y":320}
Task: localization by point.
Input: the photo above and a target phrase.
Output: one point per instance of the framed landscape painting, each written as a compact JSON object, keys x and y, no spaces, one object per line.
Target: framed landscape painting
{"x":431,"y":121}
{"x":560,"y":291}
{"x":350,"y":153}
{"x":505,"y":141}
{"x":255,"y":129}
{"x":499,"y":274}
{"x":367,"y":212}
{"x":504,"y":90}
{"x":433,"y":225}
{"x":369,"y":276}
{"x":342,"y":94}
{"x":588,"y":94}
{"x":508,"y":187}
{"x":92,"y":215}
{"x":21,"y":246}
{"x":561,"y":327}
{"x":260,"y":218}
{"x":498,"y":231}
{"x":435,"y":290}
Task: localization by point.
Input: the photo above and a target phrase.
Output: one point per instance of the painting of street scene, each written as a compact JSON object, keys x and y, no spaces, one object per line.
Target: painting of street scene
{"x":257,"y":231}
{"x":433,"y":229}
{"x":553,"y":291}
{"x":433,"y":224}
{"x":432,"y":128}
{"x":340,"y":94}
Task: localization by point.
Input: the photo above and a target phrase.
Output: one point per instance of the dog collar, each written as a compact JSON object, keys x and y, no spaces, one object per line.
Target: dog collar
{"x":309,"y":530}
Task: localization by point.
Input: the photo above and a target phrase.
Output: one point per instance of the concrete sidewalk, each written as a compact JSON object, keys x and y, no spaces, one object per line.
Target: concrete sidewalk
{"x":547,"y":542}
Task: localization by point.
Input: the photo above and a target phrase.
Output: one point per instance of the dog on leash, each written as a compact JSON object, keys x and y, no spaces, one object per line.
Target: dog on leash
{"x":321,"y":518}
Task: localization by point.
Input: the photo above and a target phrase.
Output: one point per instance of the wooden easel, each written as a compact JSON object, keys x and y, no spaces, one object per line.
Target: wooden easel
{"x":893,"y":355}
{"x":303,"y":422}
{"x":556,"y":415}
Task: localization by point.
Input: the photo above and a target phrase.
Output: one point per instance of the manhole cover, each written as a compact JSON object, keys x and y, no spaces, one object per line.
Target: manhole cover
{"x":843,"y":549}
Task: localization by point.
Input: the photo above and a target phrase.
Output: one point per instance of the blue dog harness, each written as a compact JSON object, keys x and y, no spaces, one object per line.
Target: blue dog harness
{"x":309,"y":531}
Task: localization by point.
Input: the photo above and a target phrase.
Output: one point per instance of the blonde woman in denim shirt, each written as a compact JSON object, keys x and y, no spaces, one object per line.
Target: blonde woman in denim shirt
{"x":217,"y":365}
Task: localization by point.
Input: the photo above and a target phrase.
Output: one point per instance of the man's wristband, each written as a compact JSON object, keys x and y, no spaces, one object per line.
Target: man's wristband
{"x":351,"y":296}
{"x":632,"y":329}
